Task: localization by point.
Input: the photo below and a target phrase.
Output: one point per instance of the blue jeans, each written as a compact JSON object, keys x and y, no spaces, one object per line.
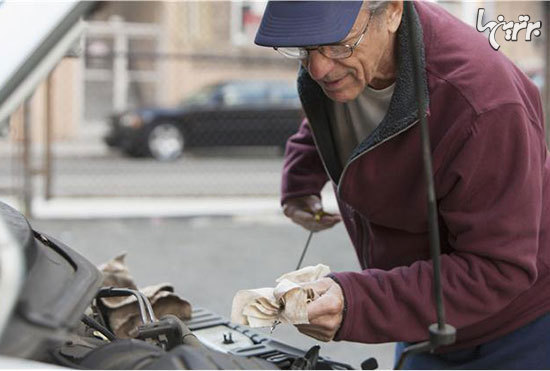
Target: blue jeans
{"x":526,"y":348}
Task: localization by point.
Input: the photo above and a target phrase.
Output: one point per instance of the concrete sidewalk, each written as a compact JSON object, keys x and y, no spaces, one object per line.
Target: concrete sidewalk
{"x":143,"y":207}
{"x":81,"y":147}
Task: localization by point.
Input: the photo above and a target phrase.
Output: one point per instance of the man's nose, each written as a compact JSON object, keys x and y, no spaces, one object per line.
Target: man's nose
{"x":318,"y":65}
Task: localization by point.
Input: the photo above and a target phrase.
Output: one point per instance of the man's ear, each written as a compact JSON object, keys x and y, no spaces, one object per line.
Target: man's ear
{"x":394,"y":11}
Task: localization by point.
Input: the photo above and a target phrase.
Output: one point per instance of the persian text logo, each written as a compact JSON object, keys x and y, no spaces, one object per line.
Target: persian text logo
{"x":511,"y":28}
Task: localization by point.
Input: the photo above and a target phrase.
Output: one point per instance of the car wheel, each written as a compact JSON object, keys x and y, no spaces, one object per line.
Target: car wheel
{"x":165,"y":142}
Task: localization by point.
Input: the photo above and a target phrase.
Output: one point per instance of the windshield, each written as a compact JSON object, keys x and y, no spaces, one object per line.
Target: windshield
{"x":200,"y":97}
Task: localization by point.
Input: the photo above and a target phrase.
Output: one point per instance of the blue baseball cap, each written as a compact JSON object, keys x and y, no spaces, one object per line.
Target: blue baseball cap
{"x":304,"y":23}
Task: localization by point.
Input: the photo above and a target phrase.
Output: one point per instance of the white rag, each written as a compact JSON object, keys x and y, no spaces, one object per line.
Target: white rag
{"x":287,"y":302}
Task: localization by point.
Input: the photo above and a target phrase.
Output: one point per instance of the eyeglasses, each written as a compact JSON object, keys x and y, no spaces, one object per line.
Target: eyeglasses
{"x":334,"y":51}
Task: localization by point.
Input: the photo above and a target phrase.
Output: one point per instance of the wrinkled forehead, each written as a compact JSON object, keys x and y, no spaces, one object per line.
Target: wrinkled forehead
{"x":304,"y":23}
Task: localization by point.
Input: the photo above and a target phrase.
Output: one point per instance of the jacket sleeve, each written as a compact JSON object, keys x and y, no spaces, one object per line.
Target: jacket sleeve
{"x":490,"y":197}
{"x":303,"y":171}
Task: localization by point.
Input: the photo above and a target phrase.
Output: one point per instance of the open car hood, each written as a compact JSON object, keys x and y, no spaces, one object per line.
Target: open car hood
{"x":31,"y":52}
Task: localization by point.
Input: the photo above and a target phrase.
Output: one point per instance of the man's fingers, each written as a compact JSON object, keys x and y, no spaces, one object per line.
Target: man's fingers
{"x":325,"y":305}
{"x":303,"y":216}
{"x":320,"y":286}
{"x":313,"y":203}
{"x":308,"y":212}
{"x":330,"y":219}
{"x":325,"y":313}
{"x":310,"y":203}
{"x":307,"y":220}
{"x":328,"y":325}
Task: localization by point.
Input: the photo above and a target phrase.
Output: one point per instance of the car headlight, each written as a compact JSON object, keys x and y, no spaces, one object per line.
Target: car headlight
{"x":131,"y":120}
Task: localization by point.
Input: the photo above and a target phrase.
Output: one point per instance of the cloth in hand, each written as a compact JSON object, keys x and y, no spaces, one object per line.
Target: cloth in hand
{"x":287,"y":302}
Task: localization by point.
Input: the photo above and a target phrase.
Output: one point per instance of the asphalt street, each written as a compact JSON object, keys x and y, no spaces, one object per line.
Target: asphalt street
{"x":208,"y":259}
{"x":197,"y":174}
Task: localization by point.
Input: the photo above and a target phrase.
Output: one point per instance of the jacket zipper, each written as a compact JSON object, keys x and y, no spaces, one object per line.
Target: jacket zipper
{"x":363,"y":240}
{"x":367,"y":151}
{"x":356,"y":157}
{"x":322,"y":161}
{"x":362,"y":230}
{"x":361,"y":225}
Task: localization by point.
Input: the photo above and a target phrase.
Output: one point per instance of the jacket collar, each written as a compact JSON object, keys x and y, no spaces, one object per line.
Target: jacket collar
{"x":402,"y":112}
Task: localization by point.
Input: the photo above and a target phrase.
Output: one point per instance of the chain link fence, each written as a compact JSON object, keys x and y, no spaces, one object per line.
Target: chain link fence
{"x":166,"y":99}
{"x":170,"y":99}
{"x":12,"y":158}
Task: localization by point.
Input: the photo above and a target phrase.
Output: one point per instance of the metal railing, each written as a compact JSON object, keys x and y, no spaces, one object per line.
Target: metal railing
{"x":12,"y":263}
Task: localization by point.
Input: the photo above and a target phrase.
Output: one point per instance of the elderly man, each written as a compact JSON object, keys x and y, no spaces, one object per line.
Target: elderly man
{"x":490,"y":166}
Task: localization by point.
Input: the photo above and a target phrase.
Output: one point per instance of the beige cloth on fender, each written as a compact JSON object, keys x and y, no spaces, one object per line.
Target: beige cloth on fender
{"x":287,"y":302}
{"x":123,"y":312}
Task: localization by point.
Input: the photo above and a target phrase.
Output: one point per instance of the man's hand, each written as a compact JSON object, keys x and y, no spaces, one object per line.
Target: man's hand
{"x":325,"y":313}
{"x":302,"y":210}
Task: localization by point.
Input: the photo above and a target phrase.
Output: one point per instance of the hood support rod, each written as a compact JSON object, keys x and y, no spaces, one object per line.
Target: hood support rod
{"x":440,"y":333}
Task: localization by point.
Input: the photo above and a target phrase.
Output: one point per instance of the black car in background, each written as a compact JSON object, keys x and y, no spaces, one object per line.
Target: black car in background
{"x":231,"y":113}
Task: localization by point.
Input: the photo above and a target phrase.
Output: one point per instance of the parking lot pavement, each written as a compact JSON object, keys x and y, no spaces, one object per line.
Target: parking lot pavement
{"x":208,"y":259}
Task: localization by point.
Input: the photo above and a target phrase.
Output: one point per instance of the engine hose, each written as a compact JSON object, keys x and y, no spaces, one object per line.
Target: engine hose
{"x":90,"y":322}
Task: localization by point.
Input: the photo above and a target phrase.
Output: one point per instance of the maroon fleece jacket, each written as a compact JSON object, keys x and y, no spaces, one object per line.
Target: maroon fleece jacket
{"x":492,"y":181}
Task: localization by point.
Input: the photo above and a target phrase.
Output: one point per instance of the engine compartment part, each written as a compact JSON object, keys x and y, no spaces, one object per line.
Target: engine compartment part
{"x":59,"y":285}
{"x":51,"y":323}
{"x":132,"y":354}
{"x":214,"y":331}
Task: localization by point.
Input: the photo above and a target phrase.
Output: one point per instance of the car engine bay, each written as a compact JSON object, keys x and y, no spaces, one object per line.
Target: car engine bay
{"x":59,"y":319}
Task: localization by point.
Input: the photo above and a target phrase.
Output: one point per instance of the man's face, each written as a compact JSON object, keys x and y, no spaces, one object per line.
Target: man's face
{"x":372,"y":62}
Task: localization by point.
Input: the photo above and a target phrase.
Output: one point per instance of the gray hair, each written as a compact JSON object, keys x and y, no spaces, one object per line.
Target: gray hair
{"x":375,"y":6}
